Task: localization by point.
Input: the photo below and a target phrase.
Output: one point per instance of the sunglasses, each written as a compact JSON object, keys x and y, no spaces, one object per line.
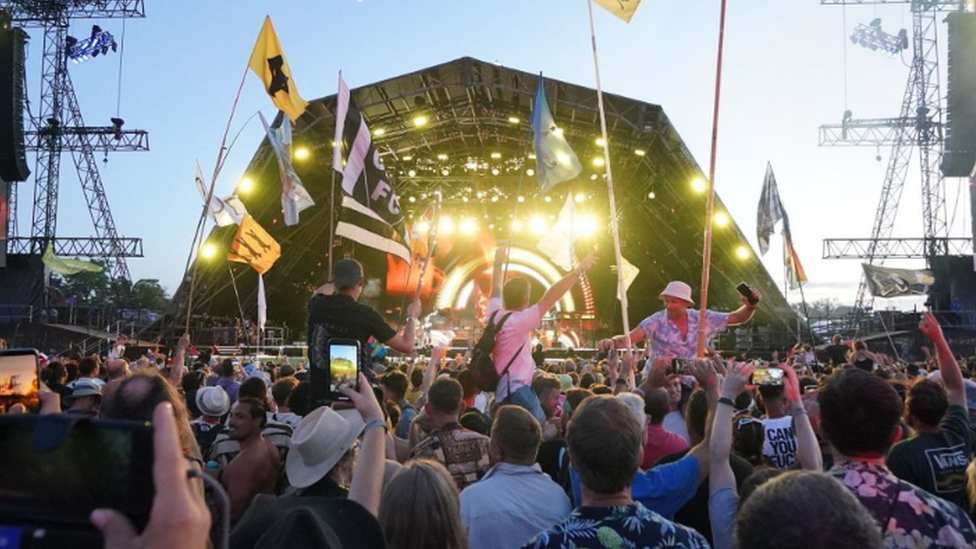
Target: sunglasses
{"x":746,"y":421}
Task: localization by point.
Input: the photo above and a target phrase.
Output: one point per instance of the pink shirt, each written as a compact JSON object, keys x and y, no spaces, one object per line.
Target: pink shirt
{"x":660,"y":443}
{"x":517,"y":332}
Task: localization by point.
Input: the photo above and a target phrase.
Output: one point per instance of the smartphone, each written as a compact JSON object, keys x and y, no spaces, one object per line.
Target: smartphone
{"x":746,"y":291}
{"x":679,"y":366}
{"x":19,"y":373}
{"x":767,"y":376}
{"x":56,"y":469}
{"x":343,"y":366}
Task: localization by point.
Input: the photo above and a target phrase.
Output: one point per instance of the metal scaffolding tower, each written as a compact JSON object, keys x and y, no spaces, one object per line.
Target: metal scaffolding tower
{"x":59,"y":127}
{"x":918,"y":126}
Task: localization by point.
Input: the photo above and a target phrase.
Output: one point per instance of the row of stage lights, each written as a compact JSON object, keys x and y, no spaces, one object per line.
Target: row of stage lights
{"x":585,"y":226}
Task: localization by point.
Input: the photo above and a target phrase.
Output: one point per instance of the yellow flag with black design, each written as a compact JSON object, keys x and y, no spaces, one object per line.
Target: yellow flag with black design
{"x":623,"y":9}
{"x":254,"y":246}
{"x":269,"y":63}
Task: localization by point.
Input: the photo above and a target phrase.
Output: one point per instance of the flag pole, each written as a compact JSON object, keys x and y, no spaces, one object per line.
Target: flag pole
{"x":710,"y":205}
{"x":431,"y":244}
{"x":202,"y":224}
{"x":614,"y":227}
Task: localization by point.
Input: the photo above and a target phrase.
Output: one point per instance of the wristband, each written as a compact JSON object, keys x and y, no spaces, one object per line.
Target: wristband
{"x":726,"y":400}
{"x":797,"y":411}
{"x":375,"y":423}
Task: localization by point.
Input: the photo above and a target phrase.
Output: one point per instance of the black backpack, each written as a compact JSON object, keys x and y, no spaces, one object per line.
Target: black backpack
{"x":482,"y":365}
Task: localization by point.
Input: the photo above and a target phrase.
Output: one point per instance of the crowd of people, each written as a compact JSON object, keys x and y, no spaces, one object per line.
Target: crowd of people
{"x":637,"y":447}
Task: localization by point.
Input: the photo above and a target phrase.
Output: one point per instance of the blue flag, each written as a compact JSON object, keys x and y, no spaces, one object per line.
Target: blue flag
{"x":555,"y":160}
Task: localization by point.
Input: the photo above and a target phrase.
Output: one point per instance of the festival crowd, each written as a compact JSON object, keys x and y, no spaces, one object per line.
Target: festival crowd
{"x":643,"y":446}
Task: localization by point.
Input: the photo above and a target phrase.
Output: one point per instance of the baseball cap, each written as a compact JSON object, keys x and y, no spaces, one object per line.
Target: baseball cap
{"x":348,"y":272}
{"x":85,"y":387}
{"x":678,"y":289}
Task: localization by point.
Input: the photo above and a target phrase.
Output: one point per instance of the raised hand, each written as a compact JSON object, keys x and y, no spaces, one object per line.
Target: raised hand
{"x":930,"y":327}
{"x":737,"y":379}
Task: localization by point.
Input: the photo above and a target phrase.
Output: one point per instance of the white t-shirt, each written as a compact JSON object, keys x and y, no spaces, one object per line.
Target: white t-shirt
{"x":779,"y":442}
{"x":515,"y":334}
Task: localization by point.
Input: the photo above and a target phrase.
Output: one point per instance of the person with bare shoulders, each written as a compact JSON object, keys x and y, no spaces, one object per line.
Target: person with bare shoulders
{"x":255,"y":469}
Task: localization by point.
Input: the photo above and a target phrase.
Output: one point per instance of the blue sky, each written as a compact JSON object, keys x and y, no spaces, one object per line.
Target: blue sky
{"x":784,"y":75}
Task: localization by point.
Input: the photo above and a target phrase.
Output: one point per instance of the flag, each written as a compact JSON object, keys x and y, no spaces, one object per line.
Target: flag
{"x":269,"y":63}
{"x":64,"y":266}
{"x":229,"y":211}
{"x":623,"y":9}
{"x":555,"y":161}
{"x":294,"y":197}
{"x":794,"y":269}
{"x":890,"y":282}
{"x":770,"y":210}
{"x":262,"y":304}
{"x":254,"y":246}
{"x":370,"y":213}
{"x":630,"y":274}
{"x":559,"y":242}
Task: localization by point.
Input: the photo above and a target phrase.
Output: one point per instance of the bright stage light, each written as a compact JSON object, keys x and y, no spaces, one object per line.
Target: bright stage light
{"x":600,"y":142}
{"x":445,"y":172}
{"x":422,"y":227}
{"x":446,"y":225}
{"x":579,"y":198}
{"x":557,"y":132}
{"x":537,"y":224}
{"x":208,"y":250}
{"x":530,"y":172}
{"x":407,"y":158}
{"x":412,"y":173}
{"x":548,"y":199}
{"x":513,"y":120}
{"x":465,"y":199}
{"x":521,"y":199}
{"x":412,"y":199}
{"x":442,"y":156}
{"x":420,"y":121}
{"x":245,"y":186}
{"x":494,"y":198}
{"x":562,"y":158}
{"x":496,"y":155}
{"x":301,"y":153}
{"x":598,"y":161}
{"x":699,"y":185}
{"x":531,"y":156}
{"x":742,"y":252}
{"x":469,"y":226}
{"x":652,"y":195}
{"x":379,"y":132}
{"x":721,"y":219}
{"x":585,"y":225}
{"x":494,"y":171}
{"x":640,"y":152}
{"x":516,"y":226}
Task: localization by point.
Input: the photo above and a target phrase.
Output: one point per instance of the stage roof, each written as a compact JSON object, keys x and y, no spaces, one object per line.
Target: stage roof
{"x":475,"y":149}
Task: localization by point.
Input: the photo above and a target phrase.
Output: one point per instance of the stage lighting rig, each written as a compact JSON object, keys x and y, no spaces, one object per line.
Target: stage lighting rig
{"x":872,"y":37}
{"x":98,"y":43}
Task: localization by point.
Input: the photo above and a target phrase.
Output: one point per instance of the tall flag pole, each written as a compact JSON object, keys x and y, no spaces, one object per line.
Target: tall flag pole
{"x":614,"y":227}
{"x":710,"y":205}
{"x":431,"y":245}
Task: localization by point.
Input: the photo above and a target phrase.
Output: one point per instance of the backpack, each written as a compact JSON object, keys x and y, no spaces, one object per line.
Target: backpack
{"x":482,"y":365}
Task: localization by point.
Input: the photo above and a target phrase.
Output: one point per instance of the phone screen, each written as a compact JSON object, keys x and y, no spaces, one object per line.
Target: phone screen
{"x":767,"y":376}
{"x":343,"y":367}
{"x":18,"y":379}
{"x":56,"y":470}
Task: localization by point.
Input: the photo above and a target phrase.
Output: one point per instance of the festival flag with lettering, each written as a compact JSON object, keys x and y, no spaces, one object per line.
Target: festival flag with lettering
{"x":890,"y":282}
{"x":269,"y":63}
{"x":262,"y":304}
{"x":64,"y":266}
{"x":254,"y":246}
{"x":624,"y":9}
{"x":554,"y":159}
{"x":770,"y":210}
{"x":370,"y":213}
{"x":559,"y":242}
{"x":294,"y":196}
{"x":227,"y":211}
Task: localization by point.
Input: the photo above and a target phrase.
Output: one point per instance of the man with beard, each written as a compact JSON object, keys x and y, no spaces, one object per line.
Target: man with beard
{"x":255,"y":469}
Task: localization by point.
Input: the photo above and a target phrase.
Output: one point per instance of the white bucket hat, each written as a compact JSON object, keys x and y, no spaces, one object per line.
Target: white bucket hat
{"x":678,"y":289}
{"x":319,"y":442}
{"x":213,"y":401}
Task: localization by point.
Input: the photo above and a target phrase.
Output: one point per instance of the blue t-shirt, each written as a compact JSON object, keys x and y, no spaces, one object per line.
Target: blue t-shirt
{"x":663,"y":489}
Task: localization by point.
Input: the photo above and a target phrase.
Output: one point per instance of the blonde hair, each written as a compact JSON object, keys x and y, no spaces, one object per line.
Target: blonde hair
{"x":420,"y":509}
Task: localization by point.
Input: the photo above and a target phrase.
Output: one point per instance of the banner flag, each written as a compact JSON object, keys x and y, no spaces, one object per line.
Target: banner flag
{"x":294,"y":196}
{"x":795,"y":273}
{"x":64,"y":266}
{"x":229,"y":211}
{"x":630,"y":274}
{"x":770,"y":210}
{"x":370,"y":213}
{"x":262,"y":304}
{"x":269,"y":63}
{"x":890,"y":282}
{"x":554,"y":159}
{"x":254,"y":246}
{"x":559,"y":242}
{"x":624,"y":9}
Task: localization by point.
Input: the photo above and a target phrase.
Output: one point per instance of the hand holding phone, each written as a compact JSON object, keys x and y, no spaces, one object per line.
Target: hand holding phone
{"x":20,"y":379}
{"x":679,"y":366}
{"x":767,"y":376}
{"x":748,"y":293}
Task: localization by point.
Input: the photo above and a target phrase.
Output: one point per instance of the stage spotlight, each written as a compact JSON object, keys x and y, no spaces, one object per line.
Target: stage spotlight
{"x":557,"y":131}
{"x":471,"y":166}
{"x":422,"y":227}
{"x":580,"y":198}
{"x":585,"y":225}
{"x":742,"y":252}
{"x":494,"y":171}
{"x":301,"y":153}
{"x":491,"y":226}
{"x":407,"y":158}
{"x":516,"y":226}
{"x":548,"y":199}
{"x":412,"y":173}
{"x":446,"y":225}
{"x":598,"y":161}
{"x":245,"y":186}
{"x":600,"y":142}
{"x":593,"y":177}
{"x":469,"y":226}
{"x":562,"y":158}
{"x":496,"y":155}
{"x":465,"y":199}
{"x":530,"y":172}
{"x":521,"y":199}
{"x":513,"y":120}
{"x":699,"y":185}
{"x":208,"y":250}
{"x":442,"y":156}
{"x":412,"y":199}
{"x":537,"y":225}
{"x":379,"y":132}
{"x":531,"y":156}
{"x":721,"y":219}
{"x":420,"y":121}
{"x":445,"y":172}
{"x":494,"y":198}
{"x":640,"y":152}
{"x":652,"y":195}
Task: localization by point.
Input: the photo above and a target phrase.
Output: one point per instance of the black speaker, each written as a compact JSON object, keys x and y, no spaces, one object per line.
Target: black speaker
{"x":13,"y":159}
{"x":960,"y":143}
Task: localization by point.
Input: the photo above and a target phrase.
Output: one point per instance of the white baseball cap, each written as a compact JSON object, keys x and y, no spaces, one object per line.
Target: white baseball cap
{"x":678,"y":289}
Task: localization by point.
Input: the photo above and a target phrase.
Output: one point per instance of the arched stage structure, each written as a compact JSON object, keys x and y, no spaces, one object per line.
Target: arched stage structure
{"x":475,"y":148}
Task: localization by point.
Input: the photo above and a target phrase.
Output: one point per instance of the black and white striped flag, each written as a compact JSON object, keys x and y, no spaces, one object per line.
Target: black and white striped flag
{"x":370,"y":213}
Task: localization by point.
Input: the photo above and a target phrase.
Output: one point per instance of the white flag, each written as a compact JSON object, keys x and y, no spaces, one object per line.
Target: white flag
{"x":630,"y":274}
{"x":294,"y":196}
{"x":262,"y":304}
{"x":230,"y":211}
{"x":770,"y":210}
{"x":559,"y":243}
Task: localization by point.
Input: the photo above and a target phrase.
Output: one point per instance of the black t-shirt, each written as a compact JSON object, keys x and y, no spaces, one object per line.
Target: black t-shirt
{"x":340,"y":316}
{"x":694,"y":513}
{"x":937,"y":462}
{"x":837,"y":353}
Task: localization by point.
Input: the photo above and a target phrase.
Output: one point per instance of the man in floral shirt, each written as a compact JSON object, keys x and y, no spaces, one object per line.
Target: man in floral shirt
{"x":604,"y":441}
{"x":859,"y":413}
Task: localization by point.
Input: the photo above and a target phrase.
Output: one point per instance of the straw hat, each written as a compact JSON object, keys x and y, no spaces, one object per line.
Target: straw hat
{"x":319,"y":442}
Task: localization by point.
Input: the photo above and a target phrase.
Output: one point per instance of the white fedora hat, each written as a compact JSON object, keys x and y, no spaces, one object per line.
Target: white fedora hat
{"x":678,"y":289}
{"x":319,"y":442}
